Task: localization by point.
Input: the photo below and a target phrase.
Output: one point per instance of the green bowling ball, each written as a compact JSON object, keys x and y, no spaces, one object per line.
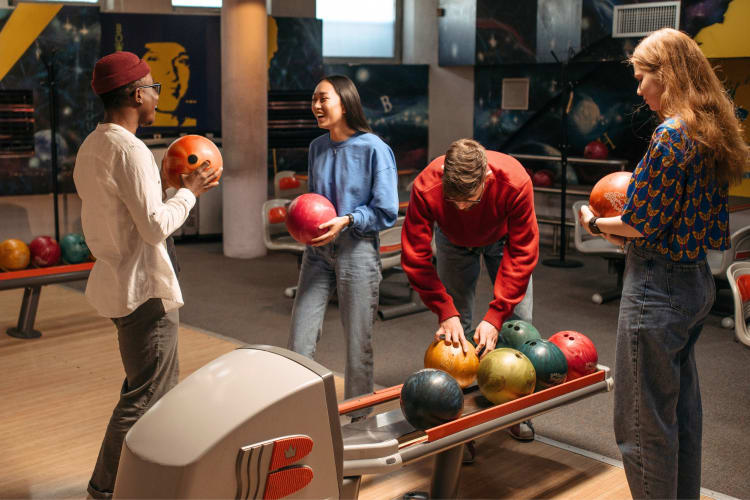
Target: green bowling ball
{"x":549,"y":362}
{"x":515,"y":332}
{"x":74,"y":249}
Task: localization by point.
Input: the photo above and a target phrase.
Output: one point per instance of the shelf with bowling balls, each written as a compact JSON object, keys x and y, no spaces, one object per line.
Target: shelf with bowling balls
{"x":43,"y":256}
{"x":524,"y":375}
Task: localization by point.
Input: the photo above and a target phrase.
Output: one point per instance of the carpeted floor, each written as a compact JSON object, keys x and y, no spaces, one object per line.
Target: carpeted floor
{"x":243,"y":299}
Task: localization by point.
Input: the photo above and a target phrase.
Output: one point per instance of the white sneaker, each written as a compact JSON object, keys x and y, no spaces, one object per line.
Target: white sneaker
{"x":522,"y":432}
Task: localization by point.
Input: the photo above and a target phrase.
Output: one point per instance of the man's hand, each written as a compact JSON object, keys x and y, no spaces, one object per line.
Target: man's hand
{"x":334,"y":227}
{"x":453,"y":333}
{"x":202,"y":178}
{"x":485,"y":336}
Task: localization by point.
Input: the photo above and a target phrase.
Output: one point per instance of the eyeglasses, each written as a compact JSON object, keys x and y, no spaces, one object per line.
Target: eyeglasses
{"x":470,"y":203}
{"x":155,"y":86}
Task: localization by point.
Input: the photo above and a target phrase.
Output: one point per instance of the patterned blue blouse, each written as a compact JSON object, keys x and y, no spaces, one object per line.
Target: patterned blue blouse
{"x":674,"y":200}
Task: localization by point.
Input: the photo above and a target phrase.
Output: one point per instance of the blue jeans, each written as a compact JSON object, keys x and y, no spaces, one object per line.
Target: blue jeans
{"x":657,"y":414}
{"x":351,"y":266}
{"x":458,"y":269}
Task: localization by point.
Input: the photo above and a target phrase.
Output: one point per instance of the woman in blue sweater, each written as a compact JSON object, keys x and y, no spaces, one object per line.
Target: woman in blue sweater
{"x":676,"y":210}
{"x":356,"y":171}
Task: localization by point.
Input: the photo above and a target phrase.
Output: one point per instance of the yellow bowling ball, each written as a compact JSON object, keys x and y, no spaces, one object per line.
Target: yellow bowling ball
{"x":505,"y":374}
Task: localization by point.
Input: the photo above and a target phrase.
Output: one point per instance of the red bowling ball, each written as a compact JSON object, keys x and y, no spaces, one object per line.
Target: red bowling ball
{"x":542,"y":178}
{"x":579,"y":351}
{"x":305,"y":215}
{"x":45,"y":251}
{"x":186,"y":154}
{"x":608,"y":197}
{"x":596,"y":150}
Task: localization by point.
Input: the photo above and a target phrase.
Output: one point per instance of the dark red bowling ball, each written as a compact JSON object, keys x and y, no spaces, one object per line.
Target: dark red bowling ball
{"x":596,"y":150}
{"x":305,"y":214}
{"x":45,"y":251}
{"x":186,"y":154}
{"x":542,"y":178}
{"x":431,"y":397}
{"x":579,"y":351}
{"x":608,"y":197}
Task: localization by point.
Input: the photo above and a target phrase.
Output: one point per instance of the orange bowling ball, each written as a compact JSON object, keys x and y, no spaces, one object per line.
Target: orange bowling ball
{"x":14,"y":255}
{"x":608,"y":197}
{"x":186,"y":154}
{"x":452,"y":359}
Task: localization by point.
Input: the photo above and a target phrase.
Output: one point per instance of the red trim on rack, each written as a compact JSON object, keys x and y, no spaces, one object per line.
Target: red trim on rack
{"x":46,"y":271}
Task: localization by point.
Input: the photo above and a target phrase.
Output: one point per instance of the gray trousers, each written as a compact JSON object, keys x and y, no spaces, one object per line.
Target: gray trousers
{"x":148,"y":348}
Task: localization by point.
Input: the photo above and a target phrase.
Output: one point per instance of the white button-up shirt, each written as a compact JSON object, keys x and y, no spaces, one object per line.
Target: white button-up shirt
{"x":126,"y":222}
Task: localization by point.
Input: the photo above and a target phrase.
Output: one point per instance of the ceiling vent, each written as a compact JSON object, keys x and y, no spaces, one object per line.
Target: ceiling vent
{"x":639,"y":20}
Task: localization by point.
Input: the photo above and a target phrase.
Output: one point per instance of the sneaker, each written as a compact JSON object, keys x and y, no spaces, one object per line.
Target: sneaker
{"x":470,"y":451}
{"x":357,"y":418}
{"x":522,"y":432}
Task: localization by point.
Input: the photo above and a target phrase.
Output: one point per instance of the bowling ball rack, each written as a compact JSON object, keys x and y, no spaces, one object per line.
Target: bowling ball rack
{"x":32,"y":280}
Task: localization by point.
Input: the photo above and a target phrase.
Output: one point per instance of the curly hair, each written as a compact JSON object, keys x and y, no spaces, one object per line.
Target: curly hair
{"x":693,"y":92}
{"x":464,"y":169}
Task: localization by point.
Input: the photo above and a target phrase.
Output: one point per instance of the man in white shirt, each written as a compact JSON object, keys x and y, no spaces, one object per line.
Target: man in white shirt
{"x":126,"y":222}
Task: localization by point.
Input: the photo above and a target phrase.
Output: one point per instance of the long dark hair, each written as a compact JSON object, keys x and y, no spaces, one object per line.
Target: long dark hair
{"x":355,"y":116}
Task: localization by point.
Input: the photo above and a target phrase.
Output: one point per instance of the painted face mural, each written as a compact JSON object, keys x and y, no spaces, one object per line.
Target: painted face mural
{"x":170,"y":66}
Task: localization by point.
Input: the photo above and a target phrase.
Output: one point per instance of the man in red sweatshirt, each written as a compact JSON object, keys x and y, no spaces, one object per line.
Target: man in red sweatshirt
{"x":480,"y":204}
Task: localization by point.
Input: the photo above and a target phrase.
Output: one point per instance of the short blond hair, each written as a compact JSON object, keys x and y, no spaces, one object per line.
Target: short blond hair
{"x":464,"y":169}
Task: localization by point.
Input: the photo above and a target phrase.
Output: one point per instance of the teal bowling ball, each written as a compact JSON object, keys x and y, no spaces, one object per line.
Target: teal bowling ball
{"x":549,"y":362}
{"x":515,"y":332}
{"x":74,"y":249}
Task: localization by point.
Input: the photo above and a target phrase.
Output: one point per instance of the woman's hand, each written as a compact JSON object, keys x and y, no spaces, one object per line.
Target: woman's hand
{"x":334,"y":227}
{"x":584,"y":217}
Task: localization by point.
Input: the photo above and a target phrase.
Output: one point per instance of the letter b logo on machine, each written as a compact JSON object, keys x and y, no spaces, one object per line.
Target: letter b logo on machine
{"x":269,"y":470}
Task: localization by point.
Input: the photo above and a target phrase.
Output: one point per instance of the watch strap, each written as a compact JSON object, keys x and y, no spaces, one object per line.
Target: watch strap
{"x":593,"y":227}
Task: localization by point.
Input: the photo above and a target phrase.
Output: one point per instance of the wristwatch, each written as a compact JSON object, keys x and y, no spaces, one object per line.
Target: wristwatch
{"x":593,"y":227}
{"x":351,"y":220}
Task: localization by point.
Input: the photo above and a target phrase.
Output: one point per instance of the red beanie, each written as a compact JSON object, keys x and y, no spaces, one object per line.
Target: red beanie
{"x":117,"y":69}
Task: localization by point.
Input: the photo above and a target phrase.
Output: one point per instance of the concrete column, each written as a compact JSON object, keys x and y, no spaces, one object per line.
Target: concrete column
{"x":451,"y":88}
{"x":244,"y":120}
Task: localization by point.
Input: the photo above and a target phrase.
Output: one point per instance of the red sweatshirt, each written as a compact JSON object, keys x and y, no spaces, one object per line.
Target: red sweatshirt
{"x":507,"y":208}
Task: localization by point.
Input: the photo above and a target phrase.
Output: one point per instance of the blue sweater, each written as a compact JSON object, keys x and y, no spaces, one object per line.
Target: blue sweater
{"x":358,"y":175}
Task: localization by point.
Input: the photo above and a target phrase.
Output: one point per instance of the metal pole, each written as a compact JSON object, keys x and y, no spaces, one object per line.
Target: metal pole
{"x":49,"y":63}
{"x":561,"y":262}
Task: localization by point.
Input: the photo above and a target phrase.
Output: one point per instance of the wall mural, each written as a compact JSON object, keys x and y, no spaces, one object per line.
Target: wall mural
{"x":184,"y":54}
{"x":295,"y":47}
{"x":68,"y":37}
{"x":605,"y":104}
{"x":604,"y":107}
{"x":394,"y":98}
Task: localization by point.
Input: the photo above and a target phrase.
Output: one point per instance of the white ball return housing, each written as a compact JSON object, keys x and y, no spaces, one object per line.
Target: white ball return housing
{"x":263,"y":422}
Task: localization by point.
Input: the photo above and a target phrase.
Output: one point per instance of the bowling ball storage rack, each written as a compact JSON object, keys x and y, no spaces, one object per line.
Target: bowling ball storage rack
{"x":32,"y":280}
{"x":563,"y":223}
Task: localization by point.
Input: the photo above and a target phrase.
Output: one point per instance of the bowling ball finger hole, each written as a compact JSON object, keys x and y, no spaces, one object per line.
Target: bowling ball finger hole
{"x":192,"y":159}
